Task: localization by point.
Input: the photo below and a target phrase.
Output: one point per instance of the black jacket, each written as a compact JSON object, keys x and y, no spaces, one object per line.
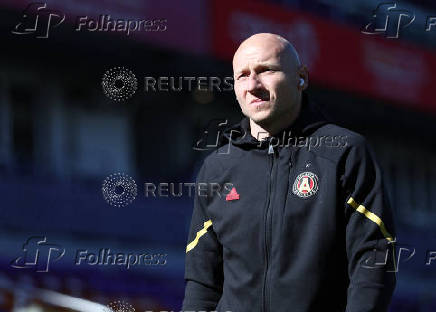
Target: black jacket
{"x":306,"y":228}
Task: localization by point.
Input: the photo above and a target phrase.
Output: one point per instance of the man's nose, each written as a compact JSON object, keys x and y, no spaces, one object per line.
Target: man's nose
{"x":253,"y":82}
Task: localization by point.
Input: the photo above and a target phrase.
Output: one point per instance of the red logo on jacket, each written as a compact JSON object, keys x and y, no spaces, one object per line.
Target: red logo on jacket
{"x":233,"y":195}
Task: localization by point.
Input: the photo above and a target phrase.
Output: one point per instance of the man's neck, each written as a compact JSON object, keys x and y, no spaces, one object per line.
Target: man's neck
{"x":259,"y":132}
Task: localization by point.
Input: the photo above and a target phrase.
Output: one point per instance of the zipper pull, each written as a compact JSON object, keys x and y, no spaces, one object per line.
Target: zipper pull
{"x":271,"y":149}
{"x":291,"y":159}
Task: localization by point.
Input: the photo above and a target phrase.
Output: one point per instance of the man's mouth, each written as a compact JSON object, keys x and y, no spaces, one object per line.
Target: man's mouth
{"x":257,"y":101}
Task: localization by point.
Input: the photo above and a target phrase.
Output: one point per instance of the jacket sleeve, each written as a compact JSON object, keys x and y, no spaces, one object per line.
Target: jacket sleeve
{"x":203,"y":262}
{"x":370,"y":235}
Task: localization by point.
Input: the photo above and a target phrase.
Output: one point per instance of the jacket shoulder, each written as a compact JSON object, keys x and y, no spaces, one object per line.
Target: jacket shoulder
{"x":346,"y":140}
{"x":211,"y":165}
{"x":354,"y":138}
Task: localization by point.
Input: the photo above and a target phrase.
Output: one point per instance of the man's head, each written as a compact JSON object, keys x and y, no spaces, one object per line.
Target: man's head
{"x":268,"y":73}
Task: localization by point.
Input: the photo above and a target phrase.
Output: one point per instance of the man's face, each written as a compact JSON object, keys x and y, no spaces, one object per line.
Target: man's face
{"x":265,"y":82}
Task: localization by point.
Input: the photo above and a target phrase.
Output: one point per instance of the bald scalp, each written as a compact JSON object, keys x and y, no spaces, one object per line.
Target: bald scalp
{"x":280,"y":45}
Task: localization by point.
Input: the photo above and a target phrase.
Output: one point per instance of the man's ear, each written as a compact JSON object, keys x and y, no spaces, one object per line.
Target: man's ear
{"x":303,"y":77}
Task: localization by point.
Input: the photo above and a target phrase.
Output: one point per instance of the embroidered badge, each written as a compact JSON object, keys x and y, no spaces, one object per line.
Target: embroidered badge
{"x":305,"y":185}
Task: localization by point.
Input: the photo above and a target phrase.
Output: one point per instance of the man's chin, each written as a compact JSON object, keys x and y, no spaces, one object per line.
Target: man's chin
{"x":262,"y":118}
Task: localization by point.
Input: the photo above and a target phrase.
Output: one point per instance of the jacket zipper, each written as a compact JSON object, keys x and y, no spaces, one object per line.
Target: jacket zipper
{"x":268,"y":225}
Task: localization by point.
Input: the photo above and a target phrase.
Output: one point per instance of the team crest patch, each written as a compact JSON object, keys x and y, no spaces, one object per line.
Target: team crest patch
{"x":305,"y":185}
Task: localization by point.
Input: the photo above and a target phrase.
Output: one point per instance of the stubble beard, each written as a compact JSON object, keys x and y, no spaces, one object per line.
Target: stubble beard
{"x":267,"y":113}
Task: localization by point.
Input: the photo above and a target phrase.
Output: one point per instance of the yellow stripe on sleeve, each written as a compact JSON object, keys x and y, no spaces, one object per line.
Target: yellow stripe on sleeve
{"x":371,"y":216}
{"x":199,"y":234}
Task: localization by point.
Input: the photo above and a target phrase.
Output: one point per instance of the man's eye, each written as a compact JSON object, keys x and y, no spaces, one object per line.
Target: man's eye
{"x":242,"y":75}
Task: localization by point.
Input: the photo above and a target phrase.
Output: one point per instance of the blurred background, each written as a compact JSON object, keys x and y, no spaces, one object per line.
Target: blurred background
{"x":61,"y":136}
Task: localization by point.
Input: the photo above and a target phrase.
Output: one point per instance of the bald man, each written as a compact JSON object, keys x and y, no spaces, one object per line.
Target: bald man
{"x":305,"y":224}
